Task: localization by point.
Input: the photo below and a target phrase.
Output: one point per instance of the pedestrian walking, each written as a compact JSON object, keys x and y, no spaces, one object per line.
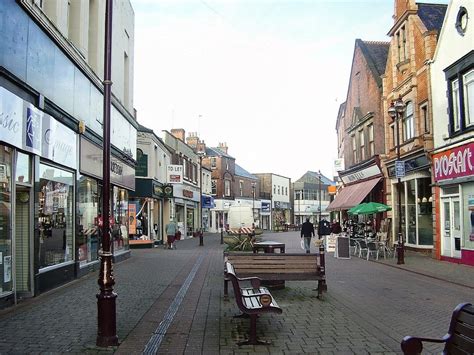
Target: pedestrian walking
{"x":171,"y":229}
{"x":307,"y":231}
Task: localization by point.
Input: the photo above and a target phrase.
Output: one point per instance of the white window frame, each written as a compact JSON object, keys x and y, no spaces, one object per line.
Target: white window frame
{"x":408,"y":124}
{"x":456,"y":104}
{"x":468,"y":83}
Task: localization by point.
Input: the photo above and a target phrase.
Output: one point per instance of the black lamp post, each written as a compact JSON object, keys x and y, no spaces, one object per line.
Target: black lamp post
{"x":201,"y":155}
{"x":396,"y":112}
{"x":319,"y":187}
{"x":106,"y":310}
{"x":253,"y":200}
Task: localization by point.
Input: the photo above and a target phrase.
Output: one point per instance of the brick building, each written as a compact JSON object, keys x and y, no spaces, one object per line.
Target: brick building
{"x":360,"y":129}
{"x":413,"y":42}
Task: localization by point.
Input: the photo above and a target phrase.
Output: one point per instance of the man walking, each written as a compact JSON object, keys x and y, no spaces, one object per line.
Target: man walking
{"x":307,"y":231}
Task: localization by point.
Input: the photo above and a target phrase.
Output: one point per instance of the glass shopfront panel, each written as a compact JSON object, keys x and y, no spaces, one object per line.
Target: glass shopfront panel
{"x":425,"y":212}
{"x":89,"y":203}
{"x":56,"y":196}
{"x":411,"y":210}
{"x":120,"y":214}
{"x":6,"y":284}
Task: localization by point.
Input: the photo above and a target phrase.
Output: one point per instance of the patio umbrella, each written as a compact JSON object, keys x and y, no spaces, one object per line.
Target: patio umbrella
{"x":372,"y":207}
{"x":354,"y":209}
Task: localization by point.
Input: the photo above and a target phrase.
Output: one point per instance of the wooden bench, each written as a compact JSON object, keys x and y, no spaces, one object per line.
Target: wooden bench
{"x":458,"y":340}
{"x":252,"y":301}
{"x":284,"y":266}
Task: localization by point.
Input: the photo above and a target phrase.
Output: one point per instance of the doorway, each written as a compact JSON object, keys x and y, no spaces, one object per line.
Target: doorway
{"x":451,"y":227}
{"x":23,"y":242}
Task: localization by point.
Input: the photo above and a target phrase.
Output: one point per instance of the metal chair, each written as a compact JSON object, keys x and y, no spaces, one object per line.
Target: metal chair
{"x":372,"y":248}
{"x":353,"y":246}
{"x":383,"y":244}
{"x":362,"y":247}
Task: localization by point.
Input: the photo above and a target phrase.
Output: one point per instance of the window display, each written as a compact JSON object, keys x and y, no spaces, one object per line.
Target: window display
{"x":88,"y":208}
{"x":5,"y":220}
{"x":120,"y":213}
{"x":55,"y":222}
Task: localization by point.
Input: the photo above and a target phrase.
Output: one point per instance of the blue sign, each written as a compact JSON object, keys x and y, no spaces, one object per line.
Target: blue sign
{"x":399,"y":168}
{"x":33,"y":130}
{"x":265,"y":207}
{"x":208,"y":202}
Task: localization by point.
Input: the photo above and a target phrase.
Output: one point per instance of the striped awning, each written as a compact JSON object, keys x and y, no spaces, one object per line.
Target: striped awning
{"x":352,"y":195}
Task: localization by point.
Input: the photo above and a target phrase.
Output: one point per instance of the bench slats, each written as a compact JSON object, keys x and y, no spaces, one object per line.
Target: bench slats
{"x":465,"y":329}
{"x":466,"y":317}
{"x":460,"y":343}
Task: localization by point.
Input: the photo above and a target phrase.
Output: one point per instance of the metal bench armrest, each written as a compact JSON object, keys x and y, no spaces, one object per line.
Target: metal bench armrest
{"x":254,"y":281}
{"x":413,"y":345}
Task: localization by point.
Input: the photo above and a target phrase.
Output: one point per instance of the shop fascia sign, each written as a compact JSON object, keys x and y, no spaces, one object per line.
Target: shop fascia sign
{"x":26,"y":127}
{"x":362,"y":174}
{"x":454,"y":163}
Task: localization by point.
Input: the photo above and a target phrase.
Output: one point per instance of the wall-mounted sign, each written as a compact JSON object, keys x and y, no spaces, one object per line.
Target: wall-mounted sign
{"x":188,"y":193}
{"x":168,"y":191}
{"x":338,"y":164}
{"x":399,"y":169}
{"x":142,"y":164}
{"x":59,"y":143}
{"x":454,"y":163}
{"x":362,"y":174}
{"x":175,"y":174}
{"x":265,"y":207}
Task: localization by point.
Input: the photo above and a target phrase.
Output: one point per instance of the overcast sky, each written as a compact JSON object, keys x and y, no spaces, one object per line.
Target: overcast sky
{"x":264,"y":76}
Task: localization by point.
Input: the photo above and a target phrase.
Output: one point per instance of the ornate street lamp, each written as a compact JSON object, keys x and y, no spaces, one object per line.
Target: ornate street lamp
{"x":396,"y":112}
{"x":106,"y":309}
{"x":201,"y":155}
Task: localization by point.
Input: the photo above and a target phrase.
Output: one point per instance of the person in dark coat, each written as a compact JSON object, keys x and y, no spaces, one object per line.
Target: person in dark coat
{"x":307,"y":231}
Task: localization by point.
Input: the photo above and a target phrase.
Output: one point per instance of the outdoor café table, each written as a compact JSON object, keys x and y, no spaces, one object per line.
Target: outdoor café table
{"x":269,"y":247}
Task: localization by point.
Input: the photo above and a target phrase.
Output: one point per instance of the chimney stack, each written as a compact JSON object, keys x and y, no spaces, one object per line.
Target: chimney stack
{"x":178,"y":133}
{"x":223,"y":147}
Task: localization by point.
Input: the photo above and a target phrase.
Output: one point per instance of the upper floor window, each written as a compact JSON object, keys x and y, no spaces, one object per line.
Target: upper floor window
{"x":354,"y":148}
{"x":227,"y":188}
{"x":213,"y":163}
{"x":424,"y":117}
{"x":370,"y":130}
{"x":408,"y":125}
{"x":286,"y":191}
{"x":241,"y":188}
{"x":362,"y":144}
{"x":213,"y":187}
{"x":468,"y":80}
{"x":460,"y":82}
{"x":278,"y":190}
{"x":274,"y":189}
{"x":402,"y":44}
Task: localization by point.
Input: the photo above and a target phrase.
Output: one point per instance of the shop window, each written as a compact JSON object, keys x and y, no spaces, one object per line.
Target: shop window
{"x":6,"y":272}
{"x":88,"y":209}
{"x":411,"y":211}
{"x":55,"y":222}
{"x":23,"y":170}
{"x":120,"y":214}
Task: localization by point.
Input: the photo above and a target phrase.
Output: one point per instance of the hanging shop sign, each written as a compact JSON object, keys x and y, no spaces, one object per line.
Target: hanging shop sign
{"x":454,"y":163}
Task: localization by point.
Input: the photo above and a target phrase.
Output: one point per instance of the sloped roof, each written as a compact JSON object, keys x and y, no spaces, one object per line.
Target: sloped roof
{"x":142,"y":128}
{"x":432,"y":15}
{"x":376,"y":53}
{"x":312,"y":176}
{"x":216,"y":152}
{"x":239,"y":171}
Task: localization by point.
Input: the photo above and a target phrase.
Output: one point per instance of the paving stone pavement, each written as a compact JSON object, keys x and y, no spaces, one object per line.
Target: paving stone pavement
{"x":369,"y":307}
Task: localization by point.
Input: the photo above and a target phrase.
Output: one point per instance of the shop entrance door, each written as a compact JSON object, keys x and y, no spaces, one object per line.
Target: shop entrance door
{"x":451,"y":227}
{"x":23,"y":242}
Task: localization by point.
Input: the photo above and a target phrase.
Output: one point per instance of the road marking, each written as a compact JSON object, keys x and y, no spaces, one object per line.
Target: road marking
{"x":155,"y":341}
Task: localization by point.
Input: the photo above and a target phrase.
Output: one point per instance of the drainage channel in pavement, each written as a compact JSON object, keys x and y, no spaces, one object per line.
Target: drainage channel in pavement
{"x":155,"y":341}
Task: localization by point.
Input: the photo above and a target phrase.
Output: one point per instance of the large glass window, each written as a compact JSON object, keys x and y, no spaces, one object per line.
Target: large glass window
{"x":425,"y":218}
{"x":411,"y":211}
{"x":88,"y":208}
{"x":6,"y":276}
{"x":56,"y":191}
{"x":455,"y":109}
{"x":120,"y":213}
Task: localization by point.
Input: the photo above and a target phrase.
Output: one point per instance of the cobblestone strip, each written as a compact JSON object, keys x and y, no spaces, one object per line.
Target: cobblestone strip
{"x":155,"y":341}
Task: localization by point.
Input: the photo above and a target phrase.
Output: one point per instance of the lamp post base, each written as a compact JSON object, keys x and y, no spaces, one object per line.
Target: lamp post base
{"x":400,"y":253}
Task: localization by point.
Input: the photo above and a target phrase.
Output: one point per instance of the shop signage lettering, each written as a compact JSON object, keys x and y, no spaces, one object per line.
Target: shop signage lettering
{"x":9,"y":123}
{"x":187,"y":193}
{"x":363,"y":174}
{"x":116,"y":168}
{"x":58,"y":142}
{"x":11,"y":118}
{"x":454,"y":163}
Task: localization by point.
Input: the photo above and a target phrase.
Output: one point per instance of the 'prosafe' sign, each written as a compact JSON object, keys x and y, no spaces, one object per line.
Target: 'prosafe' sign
{"x":454,"y":163}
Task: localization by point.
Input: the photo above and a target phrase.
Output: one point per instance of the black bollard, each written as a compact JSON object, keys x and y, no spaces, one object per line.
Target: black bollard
{"x":201,"y":241}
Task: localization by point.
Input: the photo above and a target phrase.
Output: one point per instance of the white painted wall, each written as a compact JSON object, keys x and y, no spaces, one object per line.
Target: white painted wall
{"x":284,"y":183}
{"x":451,"y":47}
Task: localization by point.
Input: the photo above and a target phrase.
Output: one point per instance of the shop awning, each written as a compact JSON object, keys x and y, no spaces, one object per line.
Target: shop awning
{"x":352,"y":195}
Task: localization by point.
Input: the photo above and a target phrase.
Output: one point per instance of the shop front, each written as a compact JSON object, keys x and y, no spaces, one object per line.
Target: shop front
{"x":207,"y":202}
{"x":265,"y":214}
{"x":453,"y":171}
{"x":186,"y":206}
{"x":38,"y":163}
{"x":146,"y":210}
{"x":416,"y":197}
{"x":122,"y":178}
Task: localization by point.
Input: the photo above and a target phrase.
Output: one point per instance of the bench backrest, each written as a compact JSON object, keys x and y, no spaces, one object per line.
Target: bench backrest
{"x":272,"y":266}
{"x":461,"y":330}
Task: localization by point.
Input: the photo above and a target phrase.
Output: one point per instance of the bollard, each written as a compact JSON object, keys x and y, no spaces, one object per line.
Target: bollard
{"x":201,"y":241}
{"x":222,"y":236}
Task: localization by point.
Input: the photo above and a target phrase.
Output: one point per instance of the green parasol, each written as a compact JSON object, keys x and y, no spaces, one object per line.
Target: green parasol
{"x":354,"y":209}
{"x":370,"y":208}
